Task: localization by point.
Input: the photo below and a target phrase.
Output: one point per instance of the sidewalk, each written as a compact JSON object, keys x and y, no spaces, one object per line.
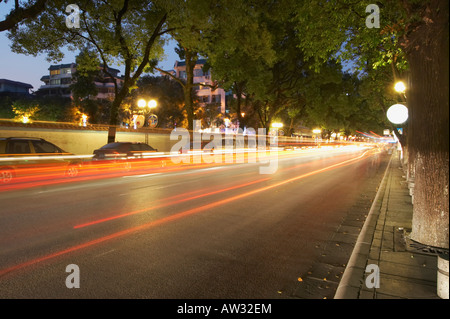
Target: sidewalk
{"x":383,"y":244}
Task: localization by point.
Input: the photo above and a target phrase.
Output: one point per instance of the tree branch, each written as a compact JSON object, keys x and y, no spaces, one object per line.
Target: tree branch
{"x":148,"y":47}
{"x":19,"y":14}
{"x":92,"y":40}
{"x":171,"y":76}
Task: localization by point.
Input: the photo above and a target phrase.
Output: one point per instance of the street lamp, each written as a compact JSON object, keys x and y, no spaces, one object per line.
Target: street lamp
{"x":400,"y":87}
{"x":84,"y":119}
{"x":277,"y":125}
{"x":152,"y":104}
{"x":397,"y":114}
{"x":143,"y":104}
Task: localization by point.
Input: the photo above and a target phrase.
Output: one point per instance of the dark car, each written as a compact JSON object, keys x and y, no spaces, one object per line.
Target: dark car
{"x":126,"y":156}
{"x":124,"y":150}
{"x":34,"y":157}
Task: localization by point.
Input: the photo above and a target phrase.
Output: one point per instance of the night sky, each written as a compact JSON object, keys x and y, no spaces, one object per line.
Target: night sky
{"x":30,"y":69}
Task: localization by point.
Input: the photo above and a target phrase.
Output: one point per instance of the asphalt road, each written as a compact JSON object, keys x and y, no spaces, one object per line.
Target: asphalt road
{"x":212,"y":231}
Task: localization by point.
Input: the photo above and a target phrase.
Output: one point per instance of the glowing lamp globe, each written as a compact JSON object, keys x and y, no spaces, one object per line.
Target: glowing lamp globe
{"x":397,"y":114}
{"x":142,"y":103}
{"x":152,"y":104}
{"x":400,"y":87}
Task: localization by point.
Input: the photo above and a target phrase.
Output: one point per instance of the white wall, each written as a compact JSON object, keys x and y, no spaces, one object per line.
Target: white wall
{"x":84,"y":142}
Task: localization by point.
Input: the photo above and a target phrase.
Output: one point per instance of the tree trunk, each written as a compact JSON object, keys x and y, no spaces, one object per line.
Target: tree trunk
{"x":238,"y":89}
{"x":191,"y":60}
{"x":428,"y":140}
{"x":114,"y":113}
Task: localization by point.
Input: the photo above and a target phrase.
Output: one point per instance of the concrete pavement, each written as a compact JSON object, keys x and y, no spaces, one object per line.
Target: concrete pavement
{"x":383,"y":248}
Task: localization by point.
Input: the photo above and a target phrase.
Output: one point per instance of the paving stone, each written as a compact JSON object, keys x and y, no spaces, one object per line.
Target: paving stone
{"x":394,"y":286}
{"x":408,"y":271}
{"x":403,"y":274}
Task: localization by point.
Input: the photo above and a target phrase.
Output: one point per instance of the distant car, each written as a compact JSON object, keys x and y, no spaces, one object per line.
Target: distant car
{"x":123,"y":150}
{"x":33,"y":157}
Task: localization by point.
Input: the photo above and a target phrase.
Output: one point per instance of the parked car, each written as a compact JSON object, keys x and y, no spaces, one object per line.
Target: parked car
{"x":127,"y":156}
{"x":34,"y":157}
{"x":123,"y":150}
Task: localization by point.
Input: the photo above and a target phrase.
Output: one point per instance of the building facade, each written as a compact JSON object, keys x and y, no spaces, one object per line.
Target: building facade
{"x":61,"y":76}
{"x":205,"y":93}
{"x":15,"y":88}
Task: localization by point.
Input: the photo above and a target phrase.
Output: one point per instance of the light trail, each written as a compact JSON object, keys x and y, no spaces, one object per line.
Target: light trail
{"x":144,"y":210}
{"x":186,"y":197}
{"x":35,"y":175}
{"x":178,"y":216}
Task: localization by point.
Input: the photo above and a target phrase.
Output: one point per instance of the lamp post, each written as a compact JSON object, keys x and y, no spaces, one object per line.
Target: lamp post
{"x":317,"y":132}
{"x":400,"y":88}
{"x":143,"y":105}
{"x":276,"y":126}
{"x":146,"y":107}
{"x":398,"y":114}
{"x":317,"y":135}
{"x":84,"y":119}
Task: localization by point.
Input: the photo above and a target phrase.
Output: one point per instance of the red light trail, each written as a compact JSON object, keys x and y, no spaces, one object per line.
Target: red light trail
{"x":179,"y":215}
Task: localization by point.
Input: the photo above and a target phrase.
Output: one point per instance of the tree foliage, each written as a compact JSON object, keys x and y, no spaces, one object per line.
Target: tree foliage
{"x":168,"y":95}
{"x":43,"y":109}
{"x":413,"y":42}
{"x":87,"y":72}
{"x":21,"y":12}
{"x":125,"y":33}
